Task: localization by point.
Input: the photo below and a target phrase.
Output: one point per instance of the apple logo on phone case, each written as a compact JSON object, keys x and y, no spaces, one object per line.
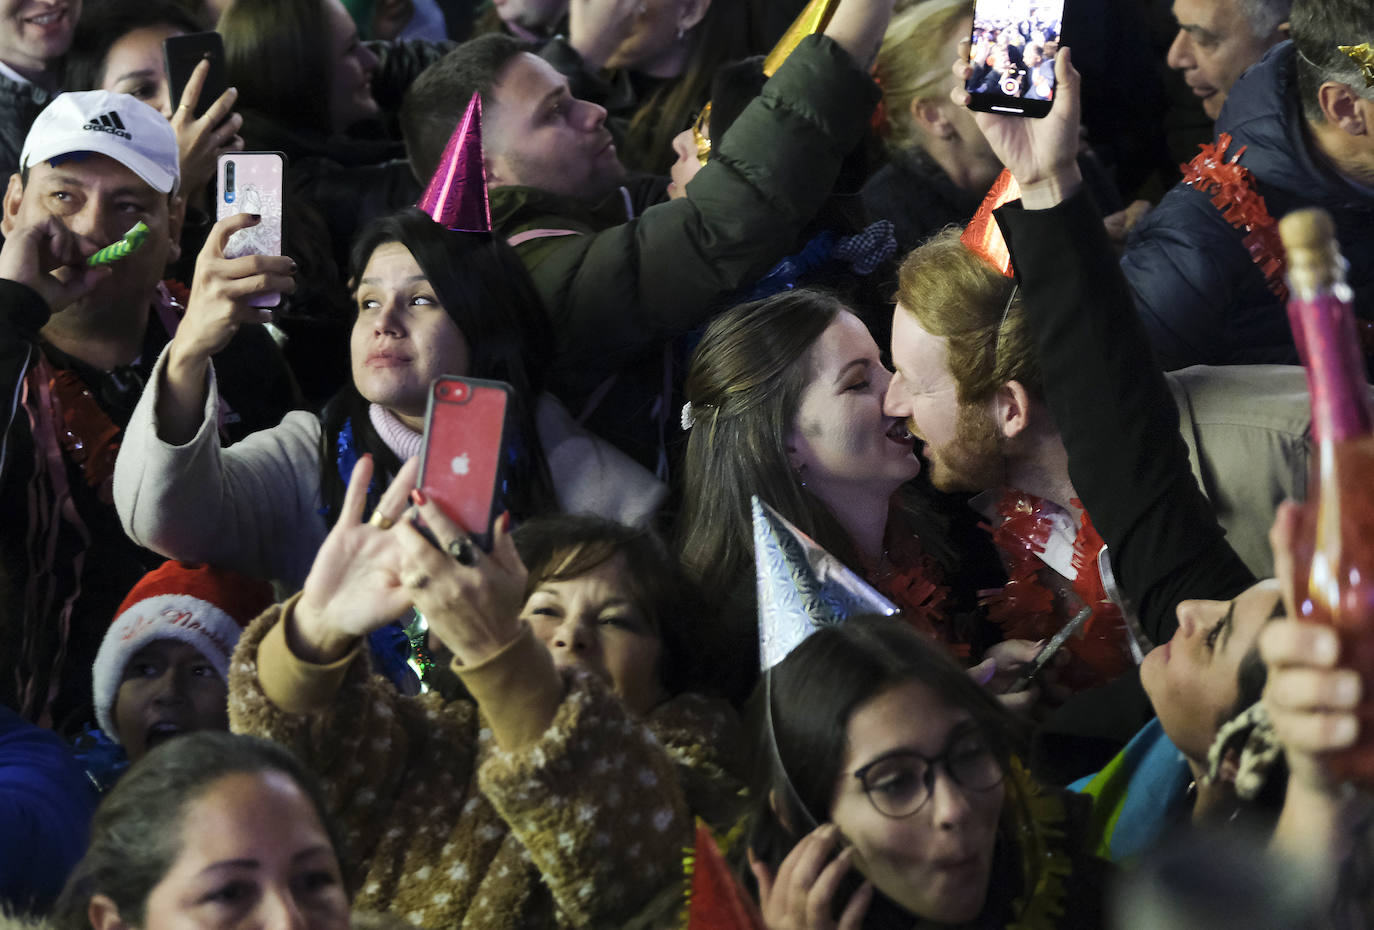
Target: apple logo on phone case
{"x":460,"y":464}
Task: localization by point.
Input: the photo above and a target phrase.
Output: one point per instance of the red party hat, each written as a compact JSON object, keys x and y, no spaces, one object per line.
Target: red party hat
{"x":982,"y":235}
{"x":717,"y":902}
{"x":456,"y":197}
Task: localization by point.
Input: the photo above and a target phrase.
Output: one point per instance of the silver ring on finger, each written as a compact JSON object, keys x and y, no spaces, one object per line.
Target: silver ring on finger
{"x":463,"y":550}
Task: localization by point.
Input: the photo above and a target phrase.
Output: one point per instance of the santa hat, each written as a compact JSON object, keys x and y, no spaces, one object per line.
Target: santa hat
{"x":199,"y":605}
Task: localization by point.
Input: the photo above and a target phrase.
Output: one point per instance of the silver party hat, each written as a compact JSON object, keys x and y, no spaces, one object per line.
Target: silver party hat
{"x":801,"y":587}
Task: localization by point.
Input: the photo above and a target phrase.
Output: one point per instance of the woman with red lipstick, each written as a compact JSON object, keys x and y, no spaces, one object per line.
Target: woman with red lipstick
{"x":430,"y":302}
{"x":786,"y":402}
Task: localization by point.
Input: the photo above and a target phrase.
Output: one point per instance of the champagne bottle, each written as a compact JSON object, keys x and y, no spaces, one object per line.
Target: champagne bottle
{"x":1334,"y":574}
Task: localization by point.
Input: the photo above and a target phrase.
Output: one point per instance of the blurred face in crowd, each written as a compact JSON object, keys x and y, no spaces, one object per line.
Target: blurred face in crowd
{"x":536,"y":134}
{"x":978,"y":166}
{"x":843,"y":442}
{"x":1191,"y":679}
{"x":350,"y":88}
{"x":1213,"y":47}
{"x":657,"y":42}
{"x":253,"y":854}
{"x":99,"y":200}
{"x":593,"y":621}
{"x":35,"y":33}
{"x":403,"y":338}
{"x":935,"y":859}
{"x":962,"y":442}
{"x":168,"y":688}
{"x":134,"y":66}
{"x":534,"y":15}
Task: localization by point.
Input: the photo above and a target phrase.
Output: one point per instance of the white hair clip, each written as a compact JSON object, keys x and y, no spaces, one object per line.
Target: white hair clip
{"x":687,"y":418}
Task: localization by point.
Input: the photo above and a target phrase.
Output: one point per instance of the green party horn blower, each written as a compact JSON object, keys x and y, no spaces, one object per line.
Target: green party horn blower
{"x":126,"y":245}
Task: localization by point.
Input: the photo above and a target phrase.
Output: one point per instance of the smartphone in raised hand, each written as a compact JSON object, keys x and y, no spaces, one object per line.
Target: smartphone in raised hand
{"x":1011,"y":51}
{"x":181,"y":54}
{"x":464,"y":451}
{"x":252,"y":182}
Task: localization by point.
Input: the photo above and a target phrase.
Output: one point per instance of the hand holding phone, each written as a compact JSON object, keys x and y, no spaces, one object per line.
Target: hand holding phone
{"x":253,"y":182}
{"x":182,"y":54}
{"x":1042,"y":154}
{"x":464,"y":451}
{"x":820,"y":866}
{"x":202,"y":139}
{"x":1014,"y":44}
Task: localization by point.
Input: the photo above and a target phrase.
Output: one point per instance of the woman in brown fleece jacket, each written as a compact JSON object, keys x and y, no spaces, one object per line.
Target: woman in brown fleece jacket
{"x":562,"y":793}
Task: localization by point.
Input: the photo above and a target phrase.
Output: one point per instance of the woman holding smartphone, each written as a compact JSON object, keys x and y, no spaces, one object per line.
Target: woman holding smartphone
{"x":429,"y":302}
{"x":560,"y":788}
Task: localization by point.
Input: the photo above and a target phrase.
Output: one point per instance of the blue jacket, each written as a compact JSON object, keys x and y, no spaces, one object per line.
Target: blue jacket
{"x":1202,"y":298}
{"x":46,"y":805}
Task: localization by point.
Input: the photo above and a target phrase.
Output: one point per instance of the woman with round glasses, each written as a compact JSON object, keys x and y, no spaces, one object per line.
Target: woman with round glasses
{"x":909,"y":765}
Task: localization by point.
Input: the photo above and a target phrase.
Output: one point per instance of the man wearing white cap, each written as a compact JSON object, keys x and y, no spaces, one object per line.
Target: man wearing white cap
{"x":76,"y":346}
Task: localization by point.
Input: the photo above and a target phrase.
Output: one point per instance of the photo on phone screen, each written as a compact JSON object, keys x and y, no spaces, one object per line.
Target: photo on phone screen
{"x":464,"y":446}
{"x":1012,"y":51}
{"x":181,"y":54}
{"x":252,"y":182}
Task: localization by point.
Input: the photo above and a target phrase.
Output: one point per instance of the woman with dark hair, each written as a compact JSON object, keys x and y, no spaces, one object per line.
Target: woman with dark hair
{"x":872,"y":731}
{"x":209,"y":830}
{"x":309,"y":88}
{"x":118,"y":47}
{"x":651,"y":67}
{"x":785,"y":402}
{"x":429,"y":302}
{"x":559,"y":788}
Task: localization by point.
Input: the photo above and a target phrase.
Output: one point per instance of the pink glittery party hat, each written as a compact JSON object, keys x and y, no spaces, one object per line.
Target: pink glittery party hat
{"x":456,"y":197}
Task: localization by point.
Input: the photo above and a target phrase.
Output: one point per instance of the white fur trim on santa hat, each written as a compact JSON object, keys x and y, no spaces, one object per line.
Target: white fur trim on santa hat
{"x":165,"y":616}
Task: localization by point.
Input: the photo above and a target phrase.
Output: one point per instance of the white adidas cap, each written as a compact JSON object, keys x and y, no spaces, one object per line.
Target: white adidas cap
{"x":116,"y":125}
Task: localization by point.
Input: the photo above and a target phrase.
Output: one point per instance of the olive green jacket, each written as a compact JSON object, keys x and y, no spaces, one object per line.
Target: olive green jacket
{"x":619,"y":285}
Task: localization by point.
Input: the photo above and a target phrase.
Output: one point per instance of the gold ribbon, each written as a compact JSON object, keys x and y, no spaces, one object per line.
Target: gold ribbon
{"x":811,"y":20}
{"x":1363,"y":56}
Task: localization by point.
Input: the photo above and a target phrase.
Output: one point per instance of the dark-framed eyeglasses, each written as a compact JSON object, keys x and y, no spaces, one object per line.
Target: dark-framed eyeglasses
{"x":701,"y":128}
{"x":900,"y":783}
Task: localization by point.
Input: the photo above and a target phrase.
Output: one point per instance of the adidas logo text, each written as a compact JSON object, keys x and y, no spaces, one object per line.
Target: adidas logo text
{"x":109,"y":122}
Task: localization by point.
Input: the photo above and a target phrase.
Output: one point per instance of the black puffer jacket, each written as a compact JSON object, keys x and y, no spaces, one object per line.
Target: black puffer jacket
{"x":1201,"y":296}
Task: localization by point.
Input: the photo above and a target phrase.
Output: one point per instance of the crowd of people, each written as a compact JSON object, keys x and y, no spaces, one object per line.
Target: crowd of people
{"x":1041,"y":409}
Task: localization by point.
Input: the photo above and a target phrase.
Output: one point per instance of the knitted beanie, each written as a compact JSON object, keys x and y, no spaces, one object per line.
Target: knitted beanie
{"x":196,"y":604}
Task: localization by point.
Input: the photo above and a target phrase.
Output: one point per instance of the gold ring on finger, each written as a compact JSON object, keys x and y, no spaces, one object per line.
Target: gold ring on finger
{"x":380,"y":520}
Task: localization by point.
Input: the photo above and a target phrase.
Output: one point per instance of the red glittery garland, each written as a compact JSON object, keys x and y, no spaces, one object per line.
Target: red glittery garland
{"x":917,"y":589}
{"x":1233,"y":193}
{"x":87,"y":434}
{"x":1025,"y":608}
